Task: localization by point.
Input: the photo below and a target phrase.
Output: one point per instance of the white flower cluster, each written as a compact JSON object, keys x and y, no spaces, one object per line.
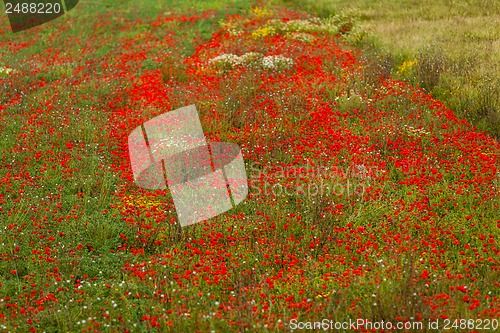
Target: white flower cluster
{"x":225,"y":61}
{"x":251,"y":59}
{"x":300,"y":36}
{"x":229,"y":61}
{"x":6,"y":71}
{"x":417,"y":132}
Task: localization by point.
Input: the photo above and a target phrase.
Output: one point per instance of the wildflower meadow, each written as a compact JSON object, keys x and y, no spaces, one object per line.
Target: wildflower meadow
{"x":371,"y":206}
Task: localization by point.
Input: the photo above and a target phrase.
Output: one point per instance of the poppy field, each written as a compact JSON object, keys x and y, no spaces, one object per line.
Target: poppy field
{"x":368,"y":199}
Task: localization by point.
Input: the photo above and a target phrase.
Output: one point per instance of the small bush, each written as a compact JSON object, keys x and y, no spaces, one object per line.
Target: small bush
{"x":173,"y":69}
{"x":429,"y":67}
